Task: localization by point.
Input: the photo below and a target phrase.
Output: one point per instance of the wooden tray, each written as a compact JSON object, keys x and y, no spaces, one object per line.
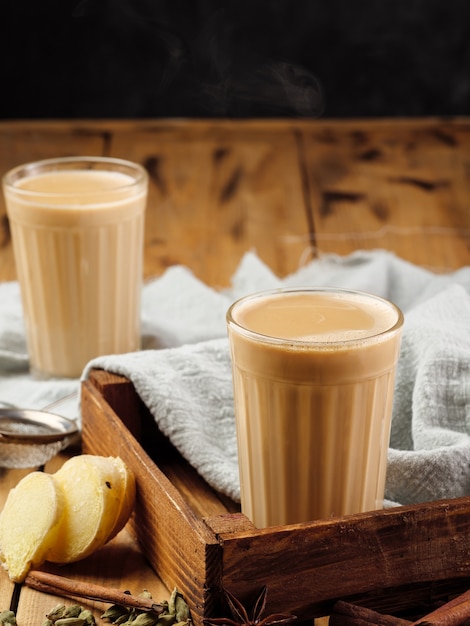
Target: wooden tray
{"x":400,"y":561}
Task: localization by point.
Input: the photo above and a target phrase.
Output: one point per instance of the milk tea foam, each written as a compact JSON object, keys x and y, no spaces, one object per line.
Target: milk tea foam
{"x":313,"y":379}
{"x":78,"y":238}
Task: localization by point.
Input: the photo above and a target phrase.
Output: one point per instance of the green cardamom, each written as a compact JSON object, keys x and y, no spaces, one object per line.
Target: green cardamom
{"x":124,"y":619}
{"x":148,"y":618}
{"x":181,"y":609}
{"x":88,"y":616}
{"x":115,"y":612}
{"x":56,"y":613}
{"x":70,"y":621}
{"x":167,"y":619}
{"x":8,"y":617}
{"x":73,"y":610}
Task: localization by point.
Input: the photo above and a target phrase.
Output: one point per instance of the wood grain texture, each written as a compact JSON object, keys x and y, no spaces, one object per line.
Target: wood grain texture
{"x":399,"y":187}
{"x":218,"y":191}
{"x":119,"y":564}
{"x":166,"y":526}
{"x":287,"y":189}
{"x":393,"y":554}
{"x":305,"y":566}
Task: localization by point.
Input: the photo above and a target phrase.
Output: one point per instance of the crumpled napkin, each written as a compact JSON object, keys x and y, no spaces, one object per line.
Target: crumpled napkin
{"x":183,"y":374}
{"x":189,"y":391}
{"x":187,"y":384}
{"x":429,"y":455}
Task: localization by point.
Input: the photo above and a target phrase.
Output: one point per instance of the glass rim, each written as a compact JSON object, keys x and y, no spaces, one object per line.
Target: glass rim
{"x":55,"y":164}
{"x":312,"y":343}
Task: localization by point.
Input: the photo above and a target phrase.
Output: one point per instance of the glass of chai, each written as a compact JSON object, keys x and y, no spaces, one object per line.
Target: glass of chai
{"x":77,"y":228}
{"x":313,"y":374}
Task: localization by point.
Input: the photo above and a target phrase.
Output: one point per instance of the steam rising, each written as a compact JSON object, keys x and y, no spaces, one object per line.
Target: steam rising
{"x":198,"y":58}
{"x":235,"y":58}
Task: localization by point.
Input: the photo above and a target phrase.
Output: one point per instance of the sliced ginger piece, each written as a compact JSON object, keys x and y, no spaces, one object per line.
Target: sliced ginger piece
{"x":93,"y":489}
{"x":30,"y":523}
{"x":127,"y":497}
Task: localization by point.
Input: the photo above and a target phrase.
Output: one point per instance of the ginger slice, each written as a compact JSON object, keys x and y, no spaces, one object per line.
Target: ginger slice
{"x":30,"y":523}
{"x":127,"y":498}
{"x":93,"y":490}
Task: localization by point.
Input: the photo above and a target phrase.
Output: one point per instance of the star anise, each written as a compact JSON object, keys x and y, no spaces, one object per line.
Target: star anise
{"x":241,"y":616}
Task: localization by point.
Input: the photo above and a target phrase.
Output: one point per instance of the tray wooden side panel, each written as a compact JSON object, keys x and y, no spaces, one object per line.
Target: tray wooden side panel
{"x":309,"y":566}
{"x":120,"y":395}
{"x":179,"y":546}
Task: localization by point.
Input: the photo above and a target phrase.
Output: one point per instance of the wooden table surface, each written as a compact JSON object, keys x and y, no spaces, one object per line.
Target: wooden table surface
{"x":290,"y":190}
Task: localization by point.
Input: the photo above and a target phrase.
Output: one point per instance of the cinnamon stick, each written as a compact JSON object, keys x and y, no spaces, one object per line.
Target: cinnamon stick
{"x":66,"y":587}
{"x":346,"y":614}
{"x":456,"y":612}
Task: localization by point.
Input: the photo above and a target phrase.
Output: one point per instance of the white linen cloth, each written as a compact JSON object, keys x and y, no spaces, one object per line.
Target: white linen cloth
{"x":183,"y":373}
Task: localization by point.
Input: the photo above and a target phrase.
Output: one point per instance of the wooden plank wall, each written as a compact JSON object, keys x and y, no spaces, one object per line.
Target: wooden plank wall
{"x":289,"y":190}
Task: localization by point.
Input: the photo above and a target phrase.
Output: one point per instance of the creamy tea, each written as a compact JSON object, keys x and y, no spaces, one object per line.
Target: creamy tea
{"x":313,"y":375}
{"x":78,"y":241}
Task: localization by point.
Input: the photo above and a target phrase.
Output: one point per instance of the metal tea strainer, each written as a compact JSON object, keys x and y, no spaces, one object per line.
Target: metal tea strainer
{"x":30,"y":437}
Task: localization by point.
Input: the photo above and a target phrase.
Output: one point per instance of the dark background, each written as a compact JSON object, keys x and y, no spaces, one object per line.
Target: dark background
{"x":244,"y":58}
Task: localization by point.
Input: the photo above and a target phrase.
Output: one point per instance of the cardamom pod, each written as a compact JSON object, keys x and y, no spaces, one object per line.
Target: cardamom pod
{"x":8,"y":617}
{"x":115,"y":613}
{"x":181,"y":609}
{"x":88,"y":616}
{"x":172,"y":602}
{"x":57,"y":612}
{"x":73,"y":610}
{"x":124,"y":619}
{"x":167,"y":619}
{"x":70,"y":621}
{"x":178,"y":607}
{"x":148,"y":618}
